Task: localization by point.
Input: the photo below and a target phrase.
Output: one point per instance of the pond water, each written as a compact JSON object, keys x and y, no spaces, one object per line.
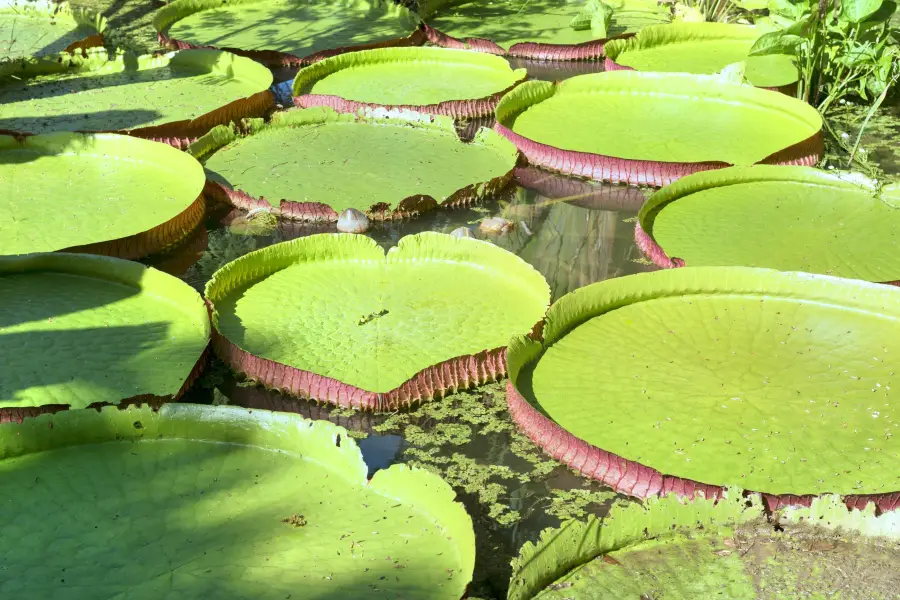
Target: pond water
{"x":575,"y":233}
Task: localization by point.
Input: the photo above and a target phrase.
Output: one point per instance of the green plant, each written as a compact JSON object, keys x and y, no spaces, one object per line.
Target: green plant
{"x":841,"y":48}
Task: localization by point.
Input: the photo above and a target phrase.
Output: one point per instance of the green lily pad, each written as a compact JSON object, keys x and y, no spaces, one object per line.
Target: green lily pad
{"x":510,"y":22}
{"x":198,"y":502}
{"x":673,"y":551}
{"x":42,"y":27}
{"x":787,"y":218}
{"x":314,"y":163}
{"x":78,"y":329}
{"x":778,"y":382}
{"x":663,"y":117}
{"x":407,"y":77}
{"x":103,"y":193}
{"x":331,"y":317}
{"x":704,"y":49}
{"x":299,"y":29}
{"x":180,"y":94}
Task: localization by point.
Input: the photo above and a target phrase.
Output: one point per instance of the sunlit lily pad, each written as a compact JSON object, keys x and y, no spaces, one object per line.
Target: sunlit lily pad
{"x":666,"y":126}
{"x":778,"y":382}
{"x":77,"y":330}
{"x":311,"y":164}
{"x":541,"y":29}
{"x":330,"y":317}
{"x":198,"y":502}
{"x":787,"y":218}
{"x":287,"y":32}
{"x":668,"y":549}
{"x":169,"y":97}
{"x":30,"y":28}
{"x":430,"y":80}
{"x":703,"y":49}
{"x":101,"y":193}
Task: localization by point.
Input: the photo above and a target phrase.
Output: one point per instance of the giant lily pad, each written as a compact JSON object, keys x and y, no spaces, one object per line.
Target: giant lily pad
{"x":666,"y":126}
{"x":701,"y":48}
{"x":100,"y":193}
{"x":42,"y":27}
{"x":429,"y":80}
{"x":727,"y":547}
{"x":168,"y":97}
{"x":330,"y":317}
{"x":787,"y":218}
{"x":709,"y":376}
{"x":77,"y":329}
{"x":197,"y":502}
{"x":312,"y":164}
{"x":541,"y":29}
{"x":287,"y":32}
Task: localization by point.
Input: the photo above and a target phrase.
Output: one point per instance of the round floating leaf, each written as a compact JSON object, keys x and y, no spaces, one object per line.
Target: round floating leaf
{"x":672,"y":551}
{"x":666,"y":126}
{"x":287,"y":32}
{"x":542,"y":29}
{"x":42,"y":27}
{"x":101,"y":193}
{"x":429,"y":80}
{"x":312,"y":164}
{"x":198,"y":502}
{"x":701,"y":48}
{"x":175,"y":95}
{"x":332,"y":318}
{"x":787,"y":218}
{"x":777,"y":382}
{"x":77,"y":329}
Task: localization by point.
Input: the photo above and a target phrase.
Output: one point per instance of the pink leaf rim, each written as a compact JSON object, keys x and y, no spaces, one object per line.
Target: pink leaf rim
{"x":579,"y":192}
{"x":458,"y":109}
{"x":789,"y":89}
{"x":436,"y":381}
{"x":153,"y":241}
{"x":637,"y":480}
{"x":275,"y":59}
{"x":19,"y":414}
{"x":644,"y":172}
{"x":652,"y":250}
{"x":586,"y":51}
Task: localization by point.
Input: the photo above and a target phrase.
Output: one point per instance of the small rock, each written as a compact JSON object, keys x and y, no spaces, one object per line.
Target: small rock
{"x":496,"y":225}
{"x":352,"y":221}
{"x":462,"y":232}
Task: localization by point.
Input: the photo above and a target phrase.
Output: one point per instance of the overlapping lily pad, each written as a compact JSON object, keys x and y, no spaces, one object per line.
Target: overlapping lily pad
{"x":439,"y":81}
{"x":787,"y":218}
{"x":330,"y":317}
{"x":729,"y":547}
{"x":540,"y":29}
{"x":100,"y":193}
{"x":665,"y":126}
{"x":311,"y":164}
{"x":704,"y":49}
{"x":287,"y":32}
{"x":696,"y":378}
{"x":198,"y":502}
{"x":78,"y":330}
{"x":174,"y":97}
{"x":30,"y":28}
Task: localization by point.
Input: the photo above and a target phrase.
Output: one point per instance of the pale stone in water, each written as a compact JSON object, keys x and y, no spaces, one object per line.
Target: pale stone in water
{"x":352,"y":221}
{"x":462,"y":232}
